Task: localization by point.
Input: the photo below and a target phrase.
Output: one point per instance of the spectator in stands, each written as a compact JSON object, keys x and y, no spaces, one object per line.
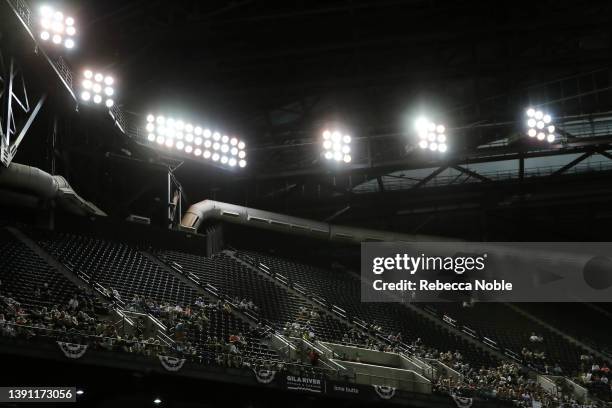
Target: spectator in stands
{"x":313,"y":357}
{"x":73,"y":303}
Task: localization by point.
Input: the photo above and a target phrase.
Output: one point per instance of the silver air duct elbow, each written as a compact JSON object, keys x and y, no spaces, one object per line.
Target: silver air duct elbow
{"x":28,"y":186}
{"x":235,"y":214}
{"x":31,"y":180}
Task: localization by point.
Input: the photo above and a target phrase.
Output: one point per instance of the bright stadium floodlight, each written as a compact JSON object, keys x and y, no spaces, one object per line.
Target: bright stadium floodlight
{"x":337,"y":146}
{"x":539,"y":125}
{"x":97,"y":88}
{"x":431,"y":136}
{"x":196,"y":141}
{"x":56,"y":28}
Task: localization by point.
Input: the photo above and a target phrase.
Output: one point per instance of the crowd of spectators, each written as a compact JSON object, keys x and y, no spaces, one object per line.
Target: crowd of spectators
{"x":84,"y":318}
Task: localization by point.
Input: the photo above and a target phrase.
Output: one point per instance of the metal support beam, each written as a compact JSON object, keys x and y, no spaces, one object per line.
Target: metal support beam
{"x":430,"y":177}
{"x":16,"y":115}
{"x":471,"y":173}
{"x":572,"y":163}
{"x":337,"y":214}
{"x":381,"y":185}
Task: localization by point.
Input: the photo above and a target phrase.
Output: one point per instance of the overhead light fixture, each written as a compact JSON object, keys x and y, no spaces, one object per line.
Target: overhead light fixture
{"x":56,"y":28}
{"x":431,"y":136}
{"x":337,"y":146}
{"x":539,"y":125}
{"x":178,"y":136}
{"x":97,"y":88}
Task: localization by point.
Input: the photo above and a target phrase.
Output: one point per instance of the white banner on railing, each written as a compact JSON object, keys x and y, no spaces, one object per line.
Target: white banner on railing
{"x":72,"y":350}
{"x":264,"y":376}
{"x":171,"y":363}
{"x":384,"y":391}
{"x":462,"y":402}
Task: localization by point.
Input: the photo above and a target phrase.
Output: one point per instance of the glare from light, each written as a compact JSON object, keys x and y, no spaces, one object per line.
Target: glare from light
{"x":539,"y":125}
{"x":93,"y":83}
{"x":336,"y":145}
{"x":347,"y":158}
{"x":431,"y":136}
{"x":191,"y":139}
{"x":242,"y":163}
{"x":157,"y":401}
{"x":85,"y":95}
{"x":80,"y":392}
{"x":53,"y":27}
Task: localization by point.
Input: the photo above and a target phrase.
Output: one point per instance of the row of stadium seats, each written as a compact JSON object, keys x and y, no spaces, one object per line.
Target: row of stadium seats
{"x":276,"y":304}
{"x":23,"y":272}
{"x":343,"y":289}
{"x":123,"y":268}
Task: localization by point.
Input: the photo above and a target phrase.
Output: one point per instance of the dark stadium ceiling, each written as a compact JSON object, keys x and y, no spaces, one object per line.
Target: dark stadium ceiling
{"x":276,"y":73}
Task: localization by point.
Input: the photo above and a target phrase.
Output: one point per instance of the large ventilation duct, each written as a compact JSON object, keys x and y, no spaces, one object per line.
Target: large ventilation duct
{"x":209,"y":209}
{"x":28,"y":186}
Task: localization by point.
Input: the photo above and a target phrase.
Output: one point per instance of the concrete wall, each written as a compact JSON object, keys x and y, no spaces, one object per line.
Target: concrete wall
{"x":395,"y":377}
